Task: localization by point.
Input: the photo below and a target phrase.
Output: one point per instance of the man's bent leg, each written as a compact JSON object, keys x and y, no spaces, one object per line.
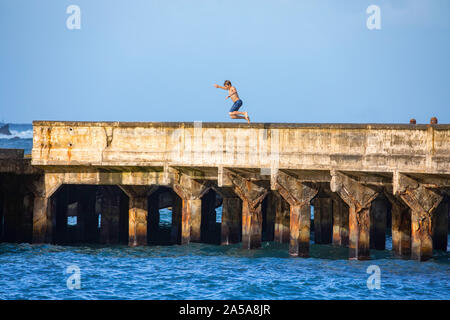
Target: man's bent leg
{"x":234,"y":115}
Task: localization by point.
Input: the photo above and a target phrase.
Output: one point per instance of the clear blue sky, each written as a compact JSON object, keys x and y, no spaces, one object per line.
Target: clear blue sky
{"x":291,"y":60}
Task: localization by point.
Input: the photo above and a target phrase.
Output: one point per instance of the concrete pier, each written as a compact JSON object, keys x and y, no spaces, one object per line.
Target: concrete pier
{"x":114,"y":177}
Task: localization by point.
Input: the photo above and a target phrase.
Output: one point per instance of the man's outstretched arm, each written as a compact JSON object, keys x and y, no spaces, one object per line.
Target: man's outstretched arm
{"x":220,"y":87}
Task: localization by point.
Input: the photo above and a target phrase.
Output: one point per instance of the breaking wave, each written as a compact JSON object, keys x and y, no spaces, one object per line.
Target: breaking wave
{"x":26,"y":134}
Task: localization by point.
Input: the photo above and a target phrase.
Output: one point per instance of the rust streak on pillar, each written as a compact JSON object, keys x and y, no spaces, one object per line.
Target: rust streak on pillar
{"x":190,"y":191}
{"x":359,"y":198}
{"x":340,"y":221}
{"x":299,"y":195}
{"x":423,"y":202}
{"x":138,"y":213}
{"x":252,"y":193}
{"x":251,"y":225}
{"x":300,"y":230}
{"x":191,"y":221}
{"x":282,"y":219}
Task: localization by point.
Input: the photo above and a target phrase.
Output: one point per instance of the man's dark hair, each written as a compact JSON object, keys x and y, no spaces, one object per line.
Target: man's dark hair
{"x":227,"y":82}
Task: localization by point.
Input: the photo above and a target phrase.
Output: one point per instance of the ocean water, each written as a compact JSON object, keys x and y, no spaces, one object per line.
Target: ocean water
{"x":203,"y":271}
{"x":200,"y":271}
{"x":21,"y":137}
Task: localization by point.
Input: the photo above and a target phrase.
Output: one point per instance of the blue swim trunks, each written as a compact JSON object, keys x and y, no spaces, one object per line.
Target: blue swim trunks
{"x":236,"y":105}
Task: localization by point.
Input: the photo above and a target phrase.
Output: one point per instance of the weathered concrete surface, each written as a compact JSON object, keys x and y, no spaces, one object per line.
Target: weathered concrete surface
{"x":375,"y":147}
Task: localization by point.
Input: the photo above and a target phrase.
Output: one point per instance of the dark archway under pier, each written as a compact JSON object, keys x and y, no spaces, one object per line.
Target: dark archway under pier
{"x":165,"y":218}
{"x":89,"y":214}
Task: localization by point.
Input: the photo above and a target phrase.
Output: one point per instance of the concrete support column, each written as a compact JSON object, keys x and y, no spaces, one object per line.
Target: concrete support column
{"x":359,"y":198}
{"x":42,"y":223}
{"x":190,"y":191}
{"x":340,"y":222}
{"x":137,"y":231}
{"x":282,"y":220}
{"x":359,"y":233}
{"x":378,"y":223}
{"x":231,"y":226}
{"x":423,"y":202}
{"x":251,"y":225}
{"x":300,"y":230}
{"x":401,"y":226}
{"x":191,"y":221}
{"x":323,"y":220}
{"x":440,"y":227}
{"x":252,"y":193}
{"x":110,"y":215}
{"x":43,"y":188}
{"x":299,"y":195}
{"x":137,"y":213}
{"x":271,"y":205}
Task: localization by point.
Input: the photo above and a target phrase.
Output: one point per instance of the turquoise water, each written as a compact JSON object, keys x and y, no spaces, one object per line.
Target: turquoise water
{"x":201,"y":271}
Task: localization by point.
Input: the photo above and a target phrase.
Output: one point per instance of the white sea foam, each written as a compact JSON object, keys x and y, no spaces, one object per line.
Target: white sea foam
{"x":26,"y":134}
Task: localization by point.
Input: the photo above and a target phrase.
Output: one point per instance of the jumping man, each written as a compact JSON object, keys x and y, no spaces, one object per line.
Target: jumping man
{"x":232,"y":93}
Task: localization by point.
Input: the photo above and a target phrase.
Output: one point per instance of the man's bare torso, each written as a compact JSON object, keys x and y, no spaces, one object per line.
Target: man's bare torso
{"x":232,"y":93}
